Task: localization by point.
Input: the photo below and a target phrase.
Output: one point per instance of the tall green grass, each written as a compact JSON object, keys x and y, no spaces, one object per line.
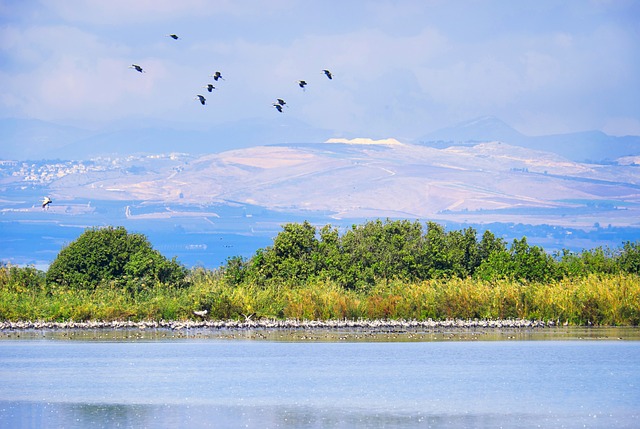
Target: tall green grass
{"x":612,"y":299}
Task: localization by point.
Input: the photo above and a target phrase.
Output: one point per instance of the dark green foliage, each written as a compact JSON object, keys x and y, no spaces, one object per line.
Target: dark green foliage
{"x":235,"y":272}
{"x":102,"y":255}
{"x":291,"y":257}
{"x":403,"y":250}
{"x":521,"y":261}
{"x":378,"y":250}
{"x":629,"y":259}
{"x":598,"y":260}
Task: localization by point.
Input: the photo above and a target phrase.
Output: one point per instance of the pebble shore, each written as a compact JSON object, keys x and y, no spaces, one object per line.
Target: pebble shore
{"x":272,"y":324}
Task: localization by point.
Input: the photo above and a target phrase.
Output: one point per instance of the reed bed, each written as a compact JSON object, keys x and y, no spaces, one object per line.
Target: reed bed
{"x":594,"y":299}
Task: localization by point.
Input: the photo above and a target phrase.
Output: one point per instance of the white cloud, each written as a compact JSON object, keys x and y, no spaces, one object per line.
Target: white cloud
{"x":126,"y":12}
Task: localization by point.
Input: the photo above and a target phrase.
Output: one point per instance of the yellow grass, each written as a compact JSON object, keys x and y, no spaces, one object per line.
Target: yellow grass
{"x":596,"y":299}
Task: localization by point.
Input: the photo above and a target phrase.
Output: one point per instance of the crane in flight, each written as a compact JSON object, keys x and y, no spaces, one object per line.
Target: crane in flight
{"x":173,"y":36}
{"x":302,"y":83}
{"x":217,"y":75}
{"x":45,"y":202}
{"x":136,"y":67}
{"x":201,"y":98}
{"x":209,"y":87}
{"x":328,"y":74}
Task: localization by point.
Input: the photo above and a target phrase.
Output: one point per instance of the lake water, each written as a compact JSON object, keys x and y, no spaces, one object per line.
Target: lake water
{"x":220,"y":383}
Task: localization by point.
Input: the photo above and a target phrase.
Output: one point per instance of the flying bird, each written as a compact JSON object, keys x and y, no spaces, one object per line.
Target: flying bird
{"x":302,"y":84}
{"x":201,"y":98}
{"x":173,"y":36}
{"x":217,"y":75}
{"x":209,"y":87}
{"x":328,"y":74}
{"x":281,"y":102}
{"x":137,"y":67}
{"x":45,"y":202}
{"x":278,"y":107}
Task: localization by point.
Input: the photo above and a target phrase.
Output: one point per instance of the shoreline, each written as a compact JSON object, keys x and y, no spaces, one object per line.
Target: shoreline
{"x":314,"y":331}
{"x":285,"y":324}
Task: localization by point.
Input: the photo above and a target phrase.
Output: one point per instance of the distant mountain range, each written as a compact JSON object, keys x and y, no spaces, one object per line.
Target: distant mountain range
{"x":34,"y":139}
{"x":587,"y":146}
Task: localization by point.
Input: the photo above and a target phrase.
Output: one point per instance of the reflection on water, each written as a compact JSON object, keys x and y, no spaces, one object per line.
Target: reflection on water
{"x":57,"y":415}
{"x":221,"y":383}
{"x":384,"y":334}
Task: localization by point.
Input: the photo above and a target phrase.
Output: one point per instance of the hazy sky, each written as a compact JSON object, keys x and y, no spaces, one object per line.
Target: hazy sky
{"x":401,"y":68}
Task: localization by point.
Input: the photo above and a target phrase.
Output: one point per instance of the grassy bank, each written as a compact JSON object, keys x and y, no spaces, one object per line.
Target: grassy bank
{"x":596,"y":299}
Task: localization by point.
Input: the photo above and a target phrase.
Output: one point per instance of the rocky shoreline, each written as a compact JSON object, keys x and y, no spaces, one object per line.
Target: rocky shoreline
{"x":271,"y":324}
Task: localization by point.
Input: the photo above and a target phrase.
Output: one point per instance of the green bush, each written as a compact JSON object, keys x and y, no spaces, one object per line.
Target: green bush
{"x":402,"y":250}
{"x":629,"y":258}
{"x":102,"y":255}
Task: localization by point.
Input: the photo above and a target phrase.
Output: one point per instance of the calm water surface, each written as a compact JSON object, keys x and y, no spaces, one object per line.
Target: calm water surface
{"x":217,"y":383}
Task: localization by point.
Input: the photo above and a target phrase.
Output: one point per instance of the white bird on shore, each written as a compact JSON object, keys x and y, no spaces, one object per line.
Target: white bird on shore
{"x":200,"y":313}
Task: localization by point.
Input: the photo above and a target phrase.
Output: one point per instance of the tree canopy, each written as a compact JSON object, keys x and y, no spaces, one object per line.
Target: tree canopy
{"x":405,"y":250}
{"x":112,"y":254}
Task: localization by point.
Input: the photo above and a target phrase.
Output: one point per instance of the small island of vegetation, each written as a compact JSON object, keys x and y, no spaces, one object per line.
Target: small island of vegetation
{"x":393,"y":270}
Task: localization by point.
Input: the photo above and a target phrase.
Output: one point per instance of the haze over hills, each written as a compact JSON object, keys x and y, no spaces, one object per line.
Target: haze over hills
{"x":587,"y":146}
{"x":64,"y":142}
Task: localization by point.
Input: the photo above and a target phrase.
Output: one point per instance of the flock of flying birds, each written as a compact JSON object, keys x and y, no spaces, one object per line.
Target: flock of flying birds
{"x":279,"y":104}
{"x":217,"y":76}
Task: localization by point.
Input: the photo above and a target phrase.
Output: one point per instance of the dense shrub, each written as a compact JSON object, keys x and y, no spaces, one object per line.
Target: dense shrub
{"x":629,"y":259}
{"x":521,"y":261}
{"x":101,"y":255}
{"x":403,"y":250}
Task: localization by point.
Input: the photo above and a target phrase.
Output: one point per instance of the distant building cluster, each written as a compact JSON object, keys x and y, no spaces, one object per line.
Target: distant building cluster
{"x":45,"y":172}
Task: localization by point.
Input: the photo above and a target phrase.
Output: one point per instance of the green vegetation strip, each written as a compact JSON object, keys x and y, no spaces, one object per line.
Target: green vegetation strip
{"x":594,"y":299}
{"x":391,"y":270}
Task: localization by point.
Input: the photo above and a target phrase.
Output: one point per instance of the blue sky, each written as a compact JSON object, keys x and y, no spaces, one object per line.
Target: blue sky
{"x":401,"y":68}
